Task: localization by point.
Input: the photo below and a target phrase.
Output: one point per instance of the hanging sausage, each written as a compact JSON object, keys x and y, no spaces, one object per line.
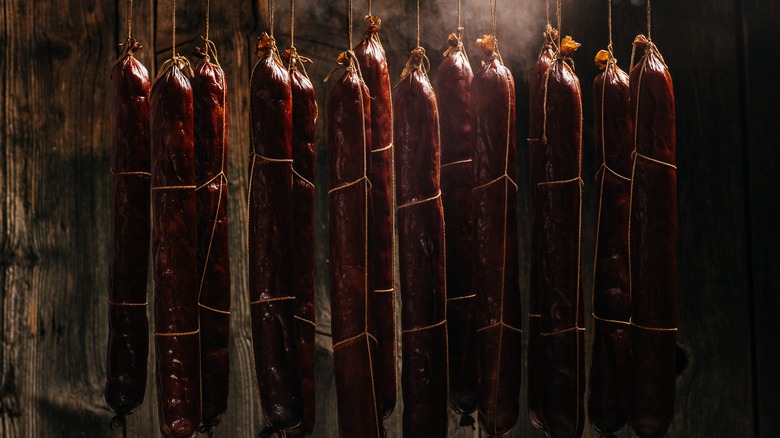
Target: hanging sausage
{"x":304,"y":119}
{"x":653,"y":243}
{"x":373,"y":65}
{"x":209,"y":89}
{"x":453,"y":93}
{"x":537,"y":164}
{"x":272,"y":298}
{"x":174,"y":248}
{"x":559,"y":213}
{"x":613,"y":136}
{"x":354,"y":343}
{"x":496,"y":248}
{"x":128,"y":338}
{"x":420,"y":250}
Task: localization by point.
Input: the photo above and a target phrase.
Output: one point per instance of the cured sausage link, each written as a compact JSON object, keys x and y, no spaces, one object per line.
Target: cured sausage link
{"x":174,"y":251}
{"x":272,"y":298}
{"x":613,"y":137}
{"x":421,"y":253}
{"x":128,"y":336}
{"x":537,"y":162}
{"x":653,"y":245}
{"x":496,"y":251}
{"x":211,"y":148}
{"x":373,"y":66}
{"x":559,"y":198}
{"x":354,"y":343}
{"x":303,"y":147}
{"x":453,"y":92}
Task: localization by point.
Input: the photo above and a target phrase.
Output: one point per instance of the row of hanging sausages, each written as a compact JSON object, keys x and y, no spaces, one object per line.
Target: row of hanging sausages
{"x":439,"y":158}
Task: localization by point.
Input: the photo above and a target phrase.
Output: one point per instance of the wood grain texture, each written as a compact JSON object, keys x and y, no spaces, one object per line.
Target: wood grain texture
{"x":54,"y":185}
{"x":761,"y":89}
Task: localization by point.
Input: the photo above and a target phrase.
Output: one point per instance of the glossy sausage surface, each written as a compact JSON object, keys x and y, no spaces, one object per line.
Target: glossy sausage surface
{"x":496,"y":248}
{"x":211,"y":150}
{"x":303,"y":147}
{"x":613,"y":138}
{"x":559,"y":201}
{"x":354,"y":342}
{"x":272,"y":298}
{"x":421,"y":253}
{"x":537,"y":163}
{"x":453,"y":92}
{"x":653,"y":246}
{"x":174,"y":253}
{"x":128,"y":338}
{"x":373,"y":66}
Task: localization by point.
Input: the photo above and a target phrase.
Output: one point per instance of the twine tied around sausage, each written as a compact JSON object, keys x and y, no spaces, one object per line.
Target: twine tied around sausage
{"x":605,"y":60}
{"x":650,"y":49}
{"x":417,"y":61}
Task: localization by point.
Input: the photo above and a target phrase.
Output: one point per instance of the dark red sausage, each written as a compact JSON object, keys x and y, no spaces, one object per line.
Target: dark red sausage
{"x":653,"y":245}
{"x":211,"y":151}
{"x":453,"y":92}
{"x":354,"y":344}
{"x":559,"y":200}
{"x":496,"y":251}
{"x":421,"y":252}
{"x":128,"y":335}
{"x":303,"y":148}
{"x":174,"y":251}
{"x":537,"y":159}
{"x":613,"y":137}
{"x":271,"y":290}
{"x":373,"y":65}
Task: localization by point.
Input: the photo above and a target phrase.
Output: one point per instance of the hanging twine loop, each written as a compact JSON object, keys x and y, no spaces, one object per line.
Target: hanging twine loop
{"x":418,"y":61}
{"x":209,"y":49}
{"x":180,"y":62}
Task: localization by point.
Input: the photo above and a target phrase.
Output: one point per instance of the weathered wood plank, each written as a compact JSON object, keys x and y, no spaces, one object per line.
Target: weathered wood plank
{"x":761,"y":89}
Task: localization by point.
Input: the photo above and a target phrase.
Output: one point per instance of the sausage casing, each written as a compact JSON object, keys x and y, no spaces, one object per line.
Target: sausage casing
{"x":559,"y":198}
{"x":354,"y":344}
{"x":373,"y":65}
{"x":496,"y":249}
{"x":421,"y":253}
{"x":303,"y":147}
{"x":613,"y":137}
{"x":272,"y":298}
{"x":128,"y":338}
{"x":453,"y":82}
{"x":653,"y":246}
{"x":537,"y":163}
{"x":211,"y":151}
{"x":174,"y":251}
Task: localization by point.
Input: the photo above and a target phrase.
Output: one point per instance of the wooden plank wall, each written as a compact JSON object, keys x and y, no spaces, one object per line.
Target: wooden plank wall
{"x":54,"y":185}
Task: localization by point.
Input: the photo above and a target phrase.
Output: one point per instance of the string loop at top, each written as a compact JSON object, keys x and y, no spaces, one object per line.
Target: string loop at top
{"x":649,"y":20}
{"x":292,"y":23}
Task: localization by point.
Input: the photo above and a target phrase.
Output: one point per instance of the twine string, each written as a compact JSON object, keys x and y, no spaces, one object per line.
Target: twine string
{"x":349,"y":20}
{"x":129,"y":19}
{"x":369,"y":7}
{"x":292,"y":23}
{"x":493,"y":12}
{"x":558,"y":18}
{"x":271,"y":8}
{"x":547,"y":4}
{"x":649,"y":20}
{"x":173,"y":29}
{"x":459,"y":26}
{"x":208,"y":16}
{"x":609,"y":24}
{"x":418,"y":23}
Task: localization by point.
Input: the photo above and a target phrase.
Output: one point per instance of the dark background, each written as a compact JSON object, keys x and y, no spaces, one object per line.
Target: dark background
{"x":55,"y":185}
